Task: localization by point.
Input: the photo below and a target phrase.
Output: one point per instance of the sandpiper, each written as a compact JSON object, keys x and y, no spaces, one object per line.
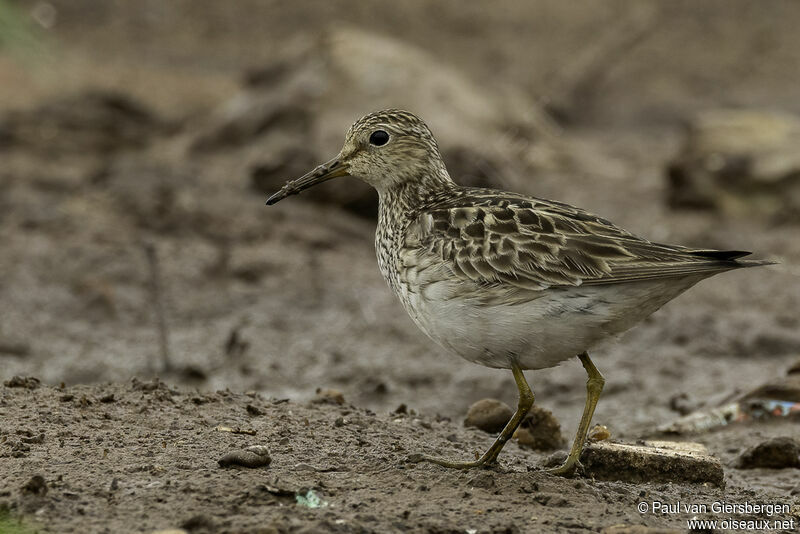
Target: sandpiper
{"x":502,"y":279}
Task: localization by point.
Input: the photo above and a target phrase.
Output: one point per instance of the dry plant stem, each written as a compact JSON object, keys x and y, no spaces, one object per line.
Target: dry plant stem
{"x":594,"y":386}
{"x":157,"y":296}
{"x":524,"y":405}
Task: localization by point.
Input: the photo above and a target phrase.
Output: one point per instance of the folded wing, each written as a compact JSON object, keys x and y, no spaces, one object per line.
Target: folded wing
{"x":535,"y":244}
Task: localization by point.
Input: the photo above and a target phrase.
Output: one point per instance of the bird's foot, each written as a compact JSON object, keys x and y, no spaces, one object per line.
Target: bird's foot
{"x":568,"y":469}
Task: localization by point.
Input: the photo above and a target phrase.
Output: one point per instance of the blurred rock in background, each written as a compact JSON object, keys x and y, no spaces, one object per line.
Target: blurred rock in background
{"x":292,"y":115}
{"x":93,"y":121}
{"x":740,"y":162}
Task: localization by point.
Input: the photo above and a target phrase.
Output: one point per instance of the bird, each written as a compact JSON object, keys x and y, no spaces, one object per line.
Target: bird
{"x":502,"y":279}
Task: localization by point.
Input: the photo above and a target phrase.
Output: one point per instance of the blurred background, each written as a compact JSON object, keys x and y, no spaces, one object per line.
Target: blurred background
{"x":139,"y":141}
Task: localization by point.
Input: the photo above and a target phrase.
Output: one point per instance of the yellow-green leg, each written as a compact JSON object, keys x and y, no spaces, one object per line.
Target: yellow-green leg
{"x":490,"y":456}
{"x":594,"y":386}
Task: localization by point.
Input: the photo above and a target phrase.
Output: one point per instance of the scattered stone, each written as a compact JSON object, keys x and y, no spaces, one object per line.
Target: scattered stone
{"x":738,"y":161}
{"x":199,"y":523}
{"x":254,"y":410}
{"x":253,"y":456}
{"x":654,"y":461}
{"x":107,"y":399}
{"x":489,"y":415}
{"x":540,"y":431}
{"x":27,"y":382}
{"x":150,"y":385}
{"x":482,"y":480}
{"x":776,"y":453}
{"x":35,"y":486}
{"x":682,"y":403}
{"x":328,"y":396}
{"x":599,"y":433}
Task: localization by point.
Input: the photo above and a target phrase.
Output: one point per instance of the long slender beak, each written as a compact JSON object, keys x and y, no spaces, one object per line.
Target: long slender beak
{"x":332,"y":169}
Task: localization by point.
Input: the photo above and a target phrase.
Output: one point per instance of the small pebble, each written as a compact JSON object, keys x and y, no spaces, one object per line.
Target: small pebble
{"x":254,"y":410}
{"x":27,"y":382}
{"x":35,"y":486}
{"x":482,"y":480}
{"x":328,"y":396}
{"x":489,"y":415}
{"x":540,"y":431}
{"x":253,"y":456}
{"x":599,"y":433}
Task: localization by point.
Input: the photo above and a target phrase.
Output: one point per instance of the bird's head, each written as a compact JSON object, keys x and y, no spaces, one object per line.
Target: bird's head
{"x":384,"y":149}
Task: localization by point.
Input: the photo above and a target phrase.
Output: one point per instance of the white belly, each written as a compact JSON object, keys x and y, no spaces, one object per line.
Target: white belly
{"x":553,"y":326}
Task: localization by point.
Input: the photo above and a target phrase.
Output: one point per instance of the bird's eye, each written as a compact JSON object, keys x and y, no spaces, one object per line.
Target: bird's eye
{"x":379,"y":138}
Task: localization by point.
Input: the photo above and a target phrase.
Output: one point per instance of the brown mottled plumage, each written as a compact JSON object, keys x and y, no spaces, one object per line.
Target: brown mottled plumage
{"x":503,"y":279}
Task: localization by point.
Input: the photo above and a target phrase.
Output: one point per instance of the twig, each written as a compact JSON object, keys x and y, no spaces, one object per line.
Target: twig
{"x":157,"y":296}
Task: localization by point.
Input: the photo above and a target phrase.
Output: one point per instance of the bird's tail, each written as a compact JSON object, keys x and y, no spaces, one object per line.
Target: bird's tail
{"x":732,"y":256}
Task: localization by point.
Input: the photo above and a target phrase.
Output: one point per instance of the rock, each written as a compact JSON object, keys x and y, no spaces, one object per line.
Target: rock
{"x":200,"y":523}
{"x":782,"y":389}
{"x":253,"y":410}
{"x":654,"y":461}
{"x":739,"y":161}
{"x":776,"y":453}
{"x":35,"y":486}
{"x":540,"y":431}
{"x":328,"y":396}
{"x":291,"y":116}
{"x":482,"y":480}
{"x":253,"y":456}
{"x":27,"y":382}
{"x":489,"y":415}
{"x":599,"y":433}
{"x":682,"y":403}
{"x":150,"y":385}
{"x":99,"y":122}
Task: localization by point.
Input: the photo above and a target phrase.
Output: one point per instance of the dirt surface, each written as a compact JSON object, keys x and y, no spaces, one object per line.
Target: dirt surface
{"x":143,"y":456}
{"x":97,"y":124}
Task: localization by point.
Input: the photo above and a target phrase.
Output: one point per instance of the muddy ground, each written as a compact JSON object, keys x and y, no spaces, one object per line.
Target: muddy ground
{"x":101,"y":105}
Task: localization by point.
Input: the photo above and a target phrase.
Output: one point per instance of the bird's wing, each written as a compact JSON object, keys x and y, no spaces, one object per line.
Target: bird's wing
{"x":535,"y":244}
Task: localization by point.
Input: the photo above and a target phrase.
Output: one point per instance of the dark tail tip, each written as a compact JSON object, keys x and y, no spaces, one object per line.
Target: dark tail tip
{"x":722,"y":255}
